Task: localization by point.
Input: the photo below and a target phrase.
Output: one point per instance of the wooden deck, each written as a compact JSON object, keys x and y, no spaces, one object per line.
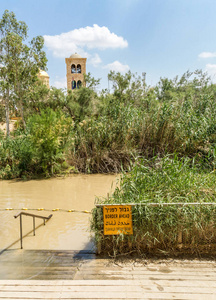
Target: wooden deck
{"x":109,"y":289}
{"x":72,"y":277}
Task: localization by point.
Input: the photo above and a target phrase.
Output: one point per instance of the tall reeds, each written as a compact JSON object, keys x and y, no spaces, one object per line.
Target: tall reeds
{"x":173,"y":229}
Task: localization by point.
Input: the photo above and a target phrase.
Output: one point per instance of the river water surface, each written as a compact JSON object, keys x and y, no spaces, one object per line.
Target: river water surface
{"x":65,"y":230}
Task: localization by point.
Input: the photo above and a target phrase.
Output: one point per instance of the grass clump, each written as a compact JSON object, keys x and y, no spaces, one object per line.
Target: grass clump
{"x":163,"y":229}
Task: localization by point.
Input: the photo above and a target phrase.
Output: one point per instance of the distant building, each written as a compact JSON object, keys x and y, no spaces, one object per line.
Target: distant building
{"x":44,"y":77}
{"x":76,"y":68}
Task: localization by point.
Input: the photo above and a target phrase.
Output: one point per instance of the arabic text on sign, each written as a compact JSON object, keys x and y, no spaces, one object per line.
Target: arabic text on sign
{"x":117,"y":219}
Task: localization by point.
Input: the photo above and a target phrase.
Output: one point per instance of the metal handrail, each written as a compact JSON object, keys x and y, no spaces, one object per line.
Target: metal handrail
{"x":33,"y":216}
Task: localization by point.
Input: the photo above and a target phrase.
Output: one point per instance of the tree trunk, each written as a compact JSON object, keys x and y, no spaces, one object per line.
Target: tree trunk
{"x":7,"y":113}
{"x":22,"y":115}
{"x":20,"y":103}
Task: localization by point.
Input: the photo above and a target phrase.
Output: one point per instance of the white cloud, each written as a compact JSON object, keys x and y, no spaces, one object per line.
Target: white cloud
{"x":95,"y":60}
{"x":117,"y":67}
{"x":90,"y":37}
{"x":211,"y":70}
{"x":207,"y":54}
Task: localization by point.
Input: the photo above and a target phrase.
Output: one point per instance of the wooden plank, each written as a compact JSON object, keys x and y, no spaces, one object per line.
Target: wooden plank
{"x":103,"y":283}
{"x":26,"y":272}
{"x":107,"y":272}
{"x":145,"y":271}
{"x":131,"y":264}
{"x":34,"y":282}
{"x":147,"y":265}
{"x":107,"y":289}
{"x":131,"y":267}
{"x":107,"y":295}
{"x":154,"y":287}
{"x":84,"y":276}
{"x":152,"y":268}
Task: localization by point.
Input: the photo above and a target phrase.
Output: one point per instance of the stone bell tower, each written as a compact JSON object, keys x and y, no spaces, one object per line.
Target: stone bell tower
{"x":76,"y":67}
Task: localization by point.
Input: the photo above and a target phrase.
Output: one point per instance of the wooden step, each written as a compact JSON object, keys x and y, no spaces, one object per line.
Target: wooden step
{"x":104,"y":289}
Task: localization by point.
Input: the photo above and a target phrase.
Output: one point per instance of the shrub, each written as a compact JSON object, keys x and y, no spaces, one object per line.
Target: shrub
{"x":40,"y":149}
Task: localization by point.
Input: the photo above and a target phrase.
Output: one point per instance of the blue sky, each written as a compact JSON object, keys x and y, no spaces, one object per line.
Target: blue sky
{"x":163,"y":38}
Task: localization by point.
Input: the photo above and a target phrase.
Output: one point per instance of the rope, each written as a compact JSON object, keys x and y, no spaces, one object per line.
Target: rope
{"x":44,"y":209}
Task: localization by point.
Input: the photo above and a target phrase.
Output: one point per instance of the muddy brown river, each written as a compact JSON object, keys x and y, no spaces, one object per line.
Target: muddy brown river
{"x":65,"y":230}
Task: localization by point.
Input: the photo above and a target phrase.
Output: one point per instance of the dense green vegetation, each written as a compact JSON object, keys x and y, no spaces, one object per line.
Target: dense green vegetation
{"x":84,"y":131}
{"x":163,"y":230}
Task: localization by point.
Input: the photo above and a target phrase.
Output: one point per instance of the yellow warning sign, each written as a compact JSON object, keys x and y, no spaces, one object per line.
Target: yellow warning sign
{"x":117,"y":219}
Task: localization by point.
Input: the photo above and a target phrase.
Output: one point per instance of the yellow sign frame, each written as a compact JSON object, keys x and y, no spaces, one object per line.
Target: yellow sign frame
{"x":117,"y":219}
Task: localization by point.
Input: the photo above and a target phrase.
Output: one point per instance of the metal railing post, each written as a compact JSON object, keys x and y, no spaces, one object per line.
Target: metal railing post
{"x":33,"y":216}
{"x":21,"y":231}
{"x":33,"y":225}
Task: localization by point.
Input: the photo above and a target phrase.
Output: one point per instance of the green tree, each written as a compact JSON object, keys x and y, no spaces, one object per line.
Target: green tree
{"x":83,"y":102}
{"x":91,"y":82}
{"x":36,"y":99}
{"x":128,"y":88}
{"x":19,"y":63}
{"x":49,"y":133}
{"x":120,"y":83}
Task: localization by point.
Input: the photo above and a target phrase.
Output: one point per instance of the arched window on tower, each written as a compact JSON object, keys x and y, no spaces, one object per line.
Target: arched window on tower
{"x":79,"y":68}
{"x":73,"y":84}
{"x":73,"y":68}
{"x":79,"y":84}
